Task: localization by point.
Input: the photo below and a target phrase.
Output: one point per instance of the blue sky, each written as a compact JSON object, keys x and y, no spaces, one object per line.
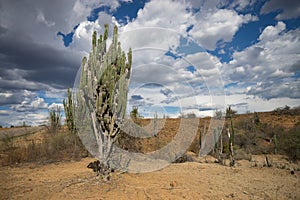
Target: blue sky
{"x":192,"y":56}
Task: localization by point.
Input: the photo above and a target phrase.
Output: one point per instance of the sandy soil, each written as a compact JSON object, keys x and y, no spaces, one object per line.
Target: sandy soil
{"x":190,"y":180}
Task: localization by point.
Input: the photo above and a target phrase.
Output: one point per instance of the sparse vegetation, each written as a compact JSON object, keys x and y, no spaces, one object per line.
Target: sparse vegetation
{"x":191,"y":115}
{"x":187,"y":115}
{"x":69,"y":112}
{"x":135,"y":112}
{"x":218,"y":114}
{"x":250,"y":139}
{"x":135,"y":116}
{"x":54,"y":120}
{"x":7,"y":142}
{"x":256,"y":119}
{"x":230,"y":113}
{"x":54,"y":147}
{"x":286,"y":110}
{"x":231,"y":134}
{"x":289,"y":143}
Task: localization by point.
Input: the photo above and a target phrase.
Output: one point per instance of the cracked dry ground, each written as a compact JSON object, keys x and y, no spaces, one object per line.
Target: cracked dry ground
{"x":190,"y":180}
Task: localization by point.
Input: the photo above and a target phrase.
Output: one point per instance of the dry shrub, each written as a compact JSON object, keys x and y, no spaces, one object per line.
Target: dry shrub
{"x":241,"y":154}
{"x":195,"y":146}
{"x":57,"y":147}
{"x":10,"y":153}
{"x":129,"y":143}
{"x":62,"y":146}
{"x":289,"y":143}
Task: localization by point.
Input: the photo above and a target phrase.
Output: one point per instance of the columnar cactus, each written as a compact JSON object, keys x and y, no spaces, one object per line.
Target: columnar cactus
{"x":68,"y":108}
{"x":54,"y":119}
{"x":102,"y":93}
{"x":231,"y":139}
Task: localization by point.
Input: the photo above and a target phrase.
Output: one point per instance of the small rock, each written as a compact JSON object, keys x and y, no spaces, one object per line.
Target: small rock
{"x":292,"y":172}
{"x":230,"y":195}
{"x":173,"y":184}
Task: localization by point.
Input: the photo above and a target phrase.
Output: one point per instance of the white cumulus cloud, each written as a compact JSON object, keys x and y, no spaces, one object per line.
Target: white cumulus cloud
{"x":219,"y":25}
{"x":272,"y":62}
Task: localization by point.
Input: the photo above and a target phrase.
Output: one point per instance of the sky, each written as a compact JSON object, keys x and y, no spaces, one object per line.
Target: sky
{"x":189,"y":56}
